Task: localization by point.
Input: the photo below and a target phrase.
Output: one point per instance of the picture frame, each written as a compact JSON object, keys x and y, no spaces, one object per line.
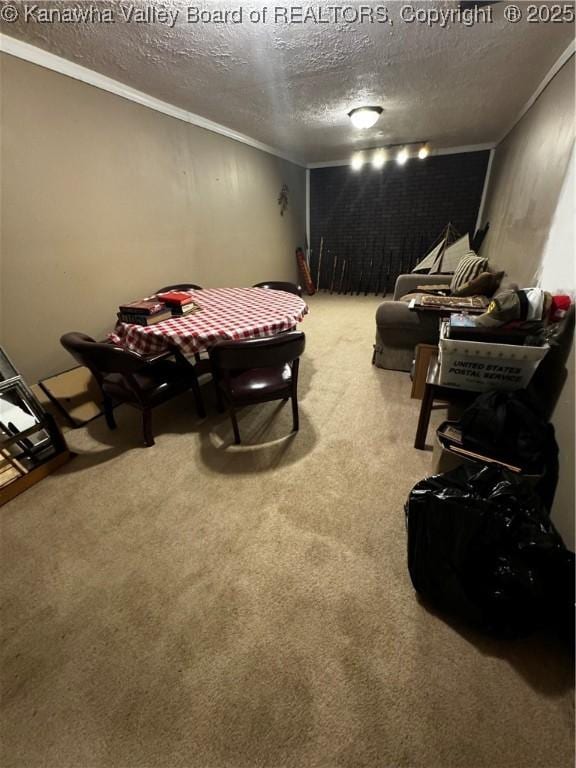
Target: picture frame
{"x":24,"y":430}
{"x":8,"y":370}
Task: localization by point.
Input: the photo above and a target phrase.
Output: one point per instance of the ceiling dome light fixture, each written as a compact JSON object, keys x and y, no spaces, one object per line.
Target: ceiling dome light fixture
{"x":402,"y":156}
{"x":424,"y":151}
{"x":357,"y":161}
{"x":379,"y":159}
{"x":364,"y":117}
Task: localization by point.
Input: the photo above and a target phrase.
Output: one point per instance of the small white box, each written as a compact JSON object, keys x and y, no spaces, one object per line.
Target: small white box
{"x":479,"y":366}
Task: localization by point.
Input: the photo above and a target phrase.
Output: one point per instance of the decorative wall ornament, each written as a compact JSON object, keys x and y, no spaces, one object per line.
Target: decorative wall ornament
{"x":283,"y":199}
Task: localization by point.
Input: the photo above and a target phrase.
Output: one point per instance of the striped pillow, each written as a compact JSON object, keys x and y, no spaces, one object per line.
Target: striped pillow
{"x":469,"y":267}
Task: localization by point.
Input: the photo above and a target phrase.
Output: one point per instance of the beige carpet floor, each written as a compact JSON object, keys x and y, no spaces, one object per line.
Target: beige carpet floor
{"x":202,"y":605}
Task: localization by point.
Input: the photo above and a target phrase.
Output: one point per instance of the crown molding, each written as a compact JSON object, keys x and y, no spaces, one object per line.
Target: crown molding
{"x":552,"y":72}
{"x":43,"y":58}
{"x":433,"y":153}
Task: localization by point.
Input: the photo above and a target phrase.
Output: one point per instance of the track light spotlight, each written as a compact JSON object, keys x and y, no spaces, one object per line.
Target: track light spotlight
{"x":402,"y":156}
{"x":379,"y":159}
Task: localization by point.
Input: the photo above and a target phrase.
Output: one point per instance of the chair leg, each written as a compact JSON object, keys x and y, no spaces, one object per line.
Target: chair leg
{"x":234,"y":421}
{"x":147,"y":427}
{"x":109,"y":412}
{"x":295,"y":415}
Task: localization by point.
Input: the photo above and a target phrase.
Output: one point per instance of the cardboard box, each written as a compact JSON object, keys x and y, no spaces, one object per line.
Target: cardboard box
{"x":480,"y":366}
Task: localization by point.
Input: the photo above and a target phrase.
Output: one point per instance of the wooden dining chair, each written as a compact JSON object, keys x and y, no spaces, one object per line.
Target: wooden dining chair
{"x":126,"y":377}
{"x":179,"y":287}
{"x":277,"y":285}
{"x":256,"y":371}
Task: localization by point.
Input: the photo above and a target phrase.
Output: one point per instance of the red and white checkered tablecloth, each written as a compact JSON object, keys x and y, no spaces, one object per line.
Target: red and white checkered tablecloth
{"x":226,"y":313}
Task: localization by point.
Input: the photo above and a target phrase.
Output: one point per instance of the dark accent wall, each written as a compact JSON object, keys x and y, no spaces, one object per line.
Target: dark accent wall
{"x":382,"y":222}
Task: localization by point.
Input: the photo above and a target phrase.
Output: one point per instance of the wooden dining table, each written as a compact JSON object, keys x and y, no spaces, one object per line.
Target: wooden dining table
{"x":223,"y":314}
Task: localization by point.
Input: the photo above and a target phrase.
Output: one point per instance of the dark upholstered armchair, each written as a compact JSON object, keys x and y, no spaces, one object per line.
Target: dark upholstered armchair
{"x":179,"y":287}
{"x":257,"y":371}
{"x":142,"y":382}
{"x":278,"y":285}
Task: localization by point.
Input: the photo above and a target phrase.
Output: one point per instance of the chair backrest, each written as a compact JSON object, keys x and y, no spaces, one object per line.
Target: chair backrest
{"x":101,"y":358}
{"x":277,"y":285}
{"x":258,"y":353}
{"x":179,"y":287}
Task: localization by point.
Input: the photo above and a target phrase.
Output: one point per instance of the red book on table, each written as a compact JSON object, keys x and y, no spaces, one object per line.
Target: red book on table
{"x":175,"y":297}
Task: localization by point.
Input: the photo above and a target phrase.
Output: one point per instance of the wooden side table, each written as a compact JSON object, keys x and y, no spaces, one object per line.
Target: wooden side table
{"x":435,"y":391}
{"x":421,"y":362}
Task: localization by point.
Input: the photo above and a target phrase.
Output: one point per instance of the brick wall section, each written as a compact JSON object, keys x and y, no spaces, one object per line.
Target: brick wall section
{"x":382,"y":222}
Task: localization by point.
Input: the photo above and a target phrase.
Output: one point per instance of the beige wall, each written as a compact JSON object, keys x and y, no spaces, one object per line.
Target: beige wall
{"x":524,"y":209}
{"x":104,"y":201}
{"x":559,"y":272}
{"x":526,"y":178}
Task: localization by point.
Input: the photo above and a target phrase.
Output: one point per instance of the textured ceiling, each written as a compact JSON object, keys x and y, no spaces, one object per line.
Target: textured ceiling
{"x":290,"y":86}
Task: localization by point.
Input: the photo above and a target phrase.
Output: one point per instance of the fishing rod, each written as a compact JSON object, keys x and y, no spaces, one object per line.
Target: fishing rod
{"x":380,"y":271}
{"x":359,"y":284}
{"x":370,"y":268}
{"x":334,"y":265}
{"x":342,"y":277}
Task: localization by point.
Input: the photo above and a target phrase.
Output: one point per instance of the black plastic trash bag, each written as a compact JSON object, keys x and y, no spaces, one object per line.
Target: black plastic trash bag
{"x":481,"y":546}
{"x":510,"y":427}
